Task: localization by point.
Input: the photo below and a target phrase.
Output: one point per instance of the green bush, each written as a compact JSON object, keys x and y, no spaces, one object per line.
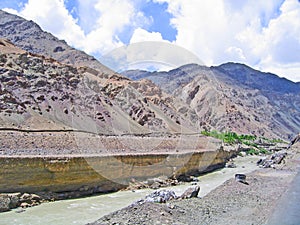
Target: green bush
{"x":230,"y":137}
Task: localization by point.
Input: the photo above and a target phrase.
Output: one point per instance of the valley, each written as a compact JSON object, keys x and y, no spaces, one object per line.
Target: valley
{"x":70,"y":127}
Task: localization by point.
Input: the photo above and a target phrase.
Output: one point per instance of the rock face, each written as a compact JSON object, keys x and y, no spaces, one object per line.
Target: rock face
{"x":233,"y":97}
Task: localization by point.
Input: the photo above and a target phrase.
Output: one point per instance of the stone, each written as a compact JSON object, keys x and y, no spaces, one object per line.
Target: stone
{"x":4,"y":203}
{"x":243,"y":154}
{"x":241,"y":178}
{"x":155,"y":185}
{"x":184,"y":178}
{"x":58,"y":49}
{"x":14,"y":200}
{"x":191,"y":192}
{"x":161,"y":196}
{"x":24,"y":205}
{"x":271,"y":161}
{"x":40,"y":83}
{"x":231,"y":165}
{"x":25,"y":197}
{"x":20,"y":211}
{"x":35,"y":197}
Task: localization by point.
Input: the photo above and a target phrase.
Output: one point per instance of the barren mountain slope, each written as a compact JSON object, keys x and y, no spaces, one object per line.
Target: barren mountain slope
{"x":142,"y":102}
{"x":30,"y":37}
{"x":35,"y":88}
{"x":234,"y":97}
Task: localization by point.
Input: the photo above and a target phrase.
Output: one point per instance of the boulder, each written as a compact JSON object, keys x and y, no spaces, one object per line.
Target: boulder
{"x":9,"y":201}
{"x":35,"y":198}
{"x":161,"y":196}
{"x":191,"y":192}
{"x":14,"y":200}
{"x":4,"y":203}
{"x":241,"y":178}
{"x":271,"y":161}
{"x":155,"y":185}
{"x":26,"y":198}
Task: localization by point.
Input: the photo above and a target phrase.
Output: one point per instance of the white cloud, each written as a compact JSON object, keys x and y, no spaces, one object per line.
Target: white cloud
{"x":235,"y":52}
{"x":11,"y":11}
{"x":105,"y":20}
{"x":52,"y":16}
{"x":289,"y":71}
{"x":264,"y":34}
{"x":113,"y":16}
{"x":277,"y":45}
{"x":140,"y":35}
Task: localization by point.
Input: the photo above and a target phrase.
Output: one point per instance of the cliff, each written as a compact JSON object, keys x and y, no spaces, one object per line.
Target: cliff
{"x":79,"y":176}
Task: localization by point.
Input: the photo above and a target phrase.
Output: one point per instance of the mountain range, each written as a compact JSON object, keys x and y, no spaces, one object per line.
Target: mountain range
{"x":233,"y":97}
{"x":46,"y":84}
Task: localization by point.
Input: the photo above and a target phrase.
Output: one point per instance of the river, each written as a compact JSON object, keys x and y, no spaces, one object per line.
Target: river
{"x":85,"y":210}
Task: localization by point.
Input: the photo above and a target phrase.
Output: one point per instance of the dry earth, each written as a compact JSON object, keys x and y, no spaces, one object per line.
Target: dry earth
{"x":16,"y":143}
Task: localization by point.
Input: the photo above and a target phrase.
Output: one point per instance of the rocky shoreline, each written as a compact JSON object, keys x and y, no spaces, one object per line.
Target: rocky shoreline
{"x":15,"y":200}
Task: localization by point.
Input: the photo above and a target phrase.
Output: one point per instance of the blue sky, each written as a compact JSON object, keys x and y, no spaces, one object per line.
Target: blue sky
{"x":264,"y":34}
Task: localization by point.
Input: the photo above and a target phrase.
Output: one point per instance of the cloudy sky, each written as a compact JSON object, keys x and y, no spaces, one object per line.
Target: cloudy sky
{"x":264,"y":34}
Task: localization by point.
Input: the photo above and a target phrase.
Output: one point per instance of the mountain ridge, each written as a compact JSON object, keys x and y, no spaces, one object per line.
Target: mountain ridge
{"x":191,"y":98}
{"x":237,"y":89}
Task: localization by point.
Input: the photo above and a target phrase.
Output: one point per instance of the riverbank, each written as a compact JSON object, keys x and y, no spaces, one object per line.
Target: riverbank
{"x":37,"y":163}
{"x":89,"y":209}
{"x":230,"y":203}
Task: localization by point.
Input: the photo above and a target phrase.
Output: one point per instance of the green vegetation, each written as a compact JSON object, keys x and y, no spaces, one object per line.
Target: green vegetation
{"x":274,"y":140}
{"x":230,"y":137}
{"x":255,"y":151}
{"x":248,"y":140}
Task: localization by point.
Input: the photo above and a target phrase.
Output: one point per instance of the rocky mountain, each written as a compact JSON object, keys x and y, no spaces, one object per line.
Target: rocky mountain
{"x":44,"y":79}
{"x":28,"y":36}
{"x":233,"y":97}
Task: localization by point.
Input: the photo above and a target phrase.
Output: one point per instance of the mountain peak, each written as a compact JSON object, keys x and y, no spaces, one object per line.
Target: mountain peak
{"x":256,"y":79}
{"x":28,"y":36}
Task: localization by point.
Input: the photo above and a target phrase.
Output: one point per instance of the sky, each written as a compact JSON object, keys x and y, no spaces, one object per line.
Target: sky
{"x":264,"y":34}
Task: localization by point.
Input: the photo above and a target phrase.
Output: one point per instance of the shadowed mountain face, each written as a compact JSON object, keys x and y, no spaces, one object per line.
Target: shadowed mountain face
{"x":233,"y":97}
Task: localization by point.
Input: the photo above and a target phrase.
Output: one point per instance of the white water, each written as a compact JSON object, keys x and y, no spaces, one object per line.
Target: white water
{"x":85,"y":210}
